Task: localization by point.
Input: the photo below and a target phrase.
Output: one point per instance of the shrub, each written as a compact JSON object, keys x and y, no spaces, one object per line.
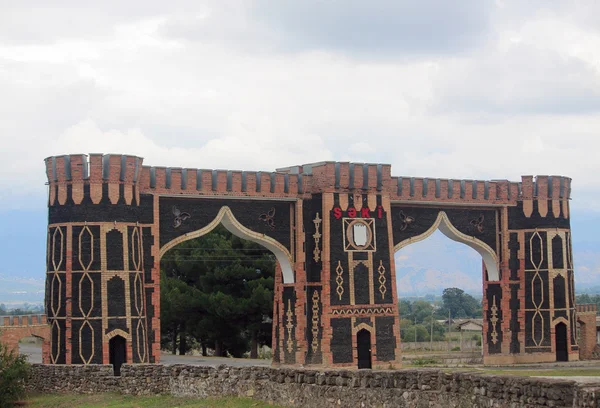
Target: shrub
{"x":14,"y":370}
{"x":424,"y":361}
{"x":455,"y":349}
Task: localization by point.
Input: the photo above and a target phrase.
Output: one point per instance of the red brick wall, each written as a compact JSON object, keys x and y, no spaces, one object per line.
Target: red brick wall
{"x":15,"y":328}
{"x":586,"y":316}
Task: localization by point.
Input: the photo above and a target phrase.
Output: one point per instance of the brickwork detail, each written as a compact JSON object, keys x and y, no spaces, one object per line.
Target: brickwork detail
{"x":334,"y":228}
{"x":586,"y":316}
{"x":15,"y":328}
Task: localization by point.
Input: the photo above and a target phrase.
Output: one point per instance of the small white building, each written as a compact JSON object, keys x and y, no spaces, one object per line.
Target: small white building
{"x":470,"y":325}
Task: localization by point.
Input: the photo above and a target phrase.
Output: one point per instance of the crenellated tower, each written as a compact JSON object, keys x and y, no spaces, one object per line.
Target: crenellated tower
{"x":100,"y":260}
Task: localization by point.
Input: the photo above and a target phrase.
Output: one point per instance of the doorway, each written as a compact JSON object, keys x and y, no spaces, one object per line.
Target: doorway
{"x":118,"y":353}
{"x":561,"y":342}
{"x":363,"y":342}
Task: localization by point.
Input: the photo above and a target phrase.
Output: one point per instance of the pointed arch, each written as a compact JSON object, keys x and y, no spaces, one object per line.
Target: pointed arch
{"x":443,"y":223}
{"x":226,"y":217}
{"x":363,"y":326}
{"x":118,"y":332}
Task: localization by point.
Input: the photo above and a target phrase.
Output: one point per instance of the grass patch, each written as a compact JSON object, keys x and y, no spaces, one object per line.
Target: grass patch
{"x":129,"y":401}
{"x":420,"y":362}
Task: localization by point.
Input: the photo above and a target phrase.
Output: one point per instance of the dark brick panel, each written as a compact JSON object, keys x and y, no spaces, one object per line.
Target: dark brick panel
{"x":149,"y":317}
{"x":276,"y":326}
{"x":102,"y":212}
{"x":311,"y":356}
{"x":517,"y":219}
{"x":289,"y":299}
{"x":116,"y":287}
{"x":480,"y":224}
{"x":514,"y":262}
{"x":57,"y":250}
{"x":90,"y":248}
{"x":203,"y":211}
{"x":56,"y":292}
{"x":361,"y":285}
{"x":558,"y":261}
{"x":494,"y":290}
{"x":540,"y":329}
{"x":310,"y":209}
{"x":90,"y":339}
{"x":120,"y":323}
{"x":515,"y":325}
{"x":337,"y":254}
{"x":148,"y":241}
{"x":560,"y":298}
{"x":341,"y":340}
{"x":385,"y":339}
{"x":58,"y":336}
{"x":542,"y":290}
{"x":114,"y":250}
{"x":536,"y":250}
{"x":382,"y":259}
{"x":86,"y":294}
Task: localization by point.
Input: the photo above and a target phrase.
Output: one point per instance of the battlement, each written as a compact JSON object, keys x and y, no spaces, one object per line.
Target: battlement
{"x":481,"y":191}
{"x":100,"y":168}
{"x":176,"y":180}
{"x":126,"y":176}
{"x":23,"y":320}
{"x":588,"y":308}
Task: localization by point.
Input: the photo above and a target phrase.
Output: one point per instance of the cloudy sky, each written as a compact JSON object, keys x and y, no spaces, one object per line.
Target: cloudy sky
{"x":469,"y":89}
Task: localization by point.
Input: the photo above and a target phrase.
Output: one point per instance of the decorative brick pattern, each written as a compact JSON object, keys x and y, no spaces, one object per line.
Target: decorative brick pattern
{"x":14,"y":328}
{"x":334,"y":228}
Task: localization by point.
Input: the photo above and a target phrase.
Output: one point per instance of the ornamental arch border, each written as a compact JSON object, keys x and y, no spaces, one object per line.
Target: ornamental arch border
{"x":226,"y":218}
{"x":444,"y":225}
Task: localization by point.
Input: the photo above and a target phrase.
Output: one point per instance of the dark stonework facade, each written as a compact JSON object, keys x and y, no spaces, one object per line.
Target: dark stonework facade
{"x":334,"y":228}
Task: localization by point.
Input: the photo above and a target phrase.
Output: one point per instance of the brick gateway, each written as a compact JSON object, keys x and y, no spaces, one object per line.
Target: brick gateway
{"x":334,"y":228}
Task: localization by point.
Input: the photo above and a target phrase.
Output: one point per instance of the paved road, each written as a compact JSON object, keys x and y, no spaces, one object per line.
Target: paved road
{"x":169,"y":359}
{"x":579,"y":379}
{"x":34,"y":353}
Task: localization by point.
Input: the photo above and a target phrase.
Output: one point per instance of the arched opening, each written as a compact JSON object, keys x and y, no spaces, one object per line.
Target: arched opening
{"x":31,"y":346}
{"x":443,"y":224}
{"x":440,"y":286}
{"x":561,"y":342}
{"x":217,"y":293}
{"x":117,"y":347}
{"x":363,"y":348}
{"x":228,"y":220}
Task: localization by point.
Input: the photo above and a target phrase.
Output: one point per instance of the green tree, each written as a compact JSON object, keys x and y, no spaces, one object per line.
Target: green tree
{"x":14,"y":370}
{"x":408,"y":334}
{"x":405,"y":309}
{"x":460,"y":304}
{"x":439,"y":331}
{"x":232,"y":302}
{"x":179,"y":302}
{"x":421,"y":310}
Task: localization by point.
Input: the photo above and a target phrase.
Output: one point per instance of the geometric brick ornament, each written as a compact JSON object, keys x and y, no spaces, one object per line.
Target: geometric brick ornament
{"x":333,"y":227}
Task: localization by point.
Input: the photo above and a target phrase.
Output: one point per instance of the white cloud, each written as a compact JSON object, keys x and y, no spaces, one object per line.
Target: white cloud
{"x":477,"y":90}
{"x":213,"y":85}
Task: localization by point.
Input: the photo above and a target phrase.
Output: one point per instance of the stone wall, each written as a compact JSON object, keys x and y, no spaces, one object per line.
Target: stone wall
{"x":311,"y":388}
